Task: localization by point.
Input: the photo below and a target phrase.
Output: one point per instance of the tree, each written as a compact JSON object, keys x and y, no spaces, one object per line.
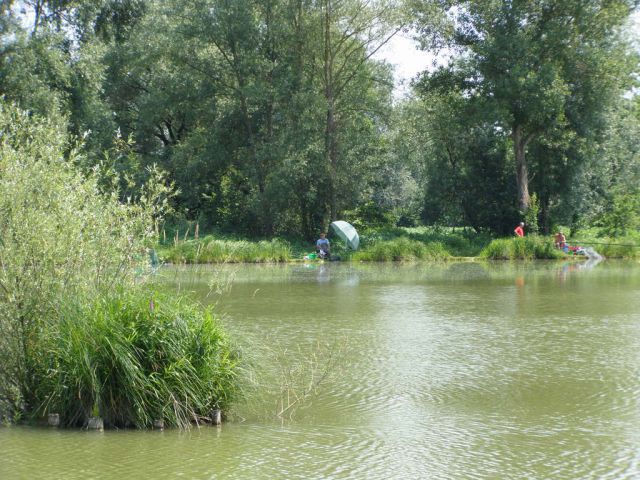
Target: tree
{"x":352,"y":32}
{"x":545,"y":66}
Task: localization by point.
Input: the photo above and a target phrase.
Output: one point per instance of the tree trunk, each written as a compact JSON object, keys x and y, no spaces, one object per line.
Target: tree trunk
{"x":38,"y":12}
{"x":331,"y":150}
{"x":522,"y":172}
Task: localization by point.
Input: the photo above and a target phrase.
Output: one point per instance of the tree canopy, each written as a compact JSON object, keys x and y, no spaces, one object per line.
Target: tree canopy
{"x":274,"y":117}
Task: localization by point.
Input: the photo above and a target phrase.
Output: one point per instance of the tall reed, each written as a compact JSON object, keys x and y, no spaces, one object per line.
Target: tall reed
{"x":131,"y":359}
{"x":526,"y":248}
{"x":401,"y":249}
{"x":212,"y":250}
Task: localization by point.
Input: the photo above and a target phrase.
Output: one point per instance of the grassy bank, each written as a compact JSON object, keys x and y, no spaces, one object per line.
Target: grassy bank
{"x":457,"y":242}
{"x":391,"y":244}
{"x":394,"y":244}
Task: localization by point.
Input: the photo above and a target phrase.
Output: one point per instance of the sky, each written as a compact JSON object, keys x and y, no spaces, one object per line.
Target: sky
{"x":402,"y":52}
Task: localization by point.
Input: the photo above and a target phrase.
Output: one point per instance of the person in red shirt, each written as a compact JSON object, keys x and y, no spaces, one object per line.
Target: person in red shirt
{"x":520,"y":230}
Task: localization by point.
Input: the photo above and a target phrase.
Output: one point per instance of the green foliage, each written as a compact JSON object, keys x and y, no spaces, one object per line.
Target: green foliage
{"x":540,"y":74}
{"x":458,"y":241}
{"x":213,"y":250}
{"x":526,"y":248}
{"x":61,"y":235}
{"x":370,"y":216}
{"x":272,"y":117}
{"x":531,"y":215}
{"x":623,"y":215}
{"x":132,"y":358}
{"x":35,"y":74}
{"x":618,"y":247}
{"x":401,"y":250}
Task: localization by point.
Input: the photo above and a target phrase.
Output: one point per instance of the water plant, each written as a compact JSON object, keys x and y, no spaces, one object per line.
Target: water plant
{"x":526,"y":248}
{"x":214,"y":250}
{"x":131,"y":359}
{"x":401,"y":249}
{"x":67,"y":341}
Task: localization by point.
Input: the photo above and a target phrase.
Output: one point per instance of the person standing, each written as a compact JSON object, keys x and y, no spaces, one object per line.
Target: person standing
{"x":519,"y":230}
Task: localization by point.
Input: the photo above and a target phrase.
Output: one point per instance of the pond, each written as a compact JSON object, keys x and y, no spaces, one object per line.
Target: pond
{"x":449,"y":371}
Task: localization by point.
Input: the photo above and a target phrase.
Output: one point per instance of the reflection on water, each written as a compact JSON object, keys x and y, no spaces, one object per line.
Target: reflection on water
{"x":452,"y":371}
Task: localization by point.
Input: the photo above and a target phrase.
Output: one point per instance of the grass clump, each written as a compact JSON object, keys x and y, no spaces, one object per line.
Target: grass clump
{"x":132,"y":359}
{"x":401,"y":249}
{"x":526,"y":248}
{"x":458,"y":242}
{"x":213,"y":250}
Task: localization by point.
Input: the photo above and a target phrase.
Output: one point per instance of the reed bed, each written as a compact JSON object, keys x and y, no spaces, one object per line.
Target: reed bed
{"x":212,"y":250}
{"x":526,"y":248}
{"x":131,"y":359}
{"x":401,"y":249}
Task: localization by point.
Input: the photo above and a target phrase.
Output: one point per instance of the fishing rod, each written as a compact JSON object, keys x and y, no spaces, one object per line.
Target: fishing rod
{"x":603,"y":243}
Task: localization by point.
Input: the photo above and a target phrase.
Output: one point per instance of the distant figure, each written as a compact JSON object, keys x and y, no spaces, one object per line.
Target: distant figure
{"x":519,"y":230}
{"x":560,"y":240}
{"x":322,"y":246}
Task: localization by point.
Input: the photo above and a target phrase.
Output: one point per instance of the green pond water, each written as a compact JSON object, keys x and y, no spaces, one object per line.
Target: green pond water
{"x":455,"y":371}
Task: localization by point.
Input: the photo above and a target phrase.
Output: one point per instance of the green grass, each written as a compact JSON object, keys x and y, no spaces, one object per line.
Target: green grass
{"x":392,"y":244}
{"x":400,"y":250}
{"x":459,"y":242}
{"x":132,"y":363}
{"x":527,"y":248}
{"x":214,"y":250}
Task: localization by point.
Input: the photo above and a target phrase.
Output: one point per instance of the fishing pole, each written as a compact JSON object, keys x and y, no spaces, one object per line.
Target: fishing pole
{"x":603,"y":243}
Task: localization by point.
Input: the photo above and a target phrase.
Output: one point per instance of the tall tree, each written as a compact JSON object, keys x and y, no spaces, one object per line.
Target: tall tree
{"x":543,"y":65}
{"x":352,"y":32}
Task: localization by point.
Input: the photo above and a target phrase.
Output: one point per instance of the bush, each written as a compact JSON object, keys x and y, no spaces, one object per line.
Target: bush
{"x":526,"y":248}
{"x":132,"y":358}
{"x":61,"y":236}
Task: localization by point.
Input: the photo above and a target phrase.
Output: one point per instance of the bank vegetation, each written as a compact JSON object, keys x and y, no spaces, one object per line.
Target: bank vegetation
{"x":81,"y":333}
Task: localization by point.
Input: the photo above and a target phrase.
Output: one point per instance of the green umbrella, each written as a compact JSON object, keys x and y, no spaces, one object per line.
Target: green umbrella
{"x":347,"y":233}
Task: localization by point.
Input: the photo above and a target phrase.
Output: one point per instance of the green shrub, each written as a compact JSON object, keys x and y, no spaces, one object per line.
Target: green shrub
{"x":401,"y":249}
{"x":60,"y":234}
{"x":132,"y":359}
{"x":526,"y":248}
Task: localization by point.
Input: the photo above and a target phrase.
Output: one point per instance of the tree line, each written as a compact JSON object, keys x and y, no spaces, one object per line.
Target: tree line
{"x":274,"y":117}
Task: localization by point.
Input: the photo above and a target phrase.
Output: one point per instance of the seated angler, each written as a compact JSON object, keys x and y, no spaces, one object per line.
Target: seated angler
{"x":322,"y":246}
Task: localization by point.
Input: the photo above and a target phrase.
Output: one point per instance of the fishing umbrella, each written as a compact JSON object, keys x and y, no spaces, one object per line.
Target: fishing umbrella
{"x":347,"y":233}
